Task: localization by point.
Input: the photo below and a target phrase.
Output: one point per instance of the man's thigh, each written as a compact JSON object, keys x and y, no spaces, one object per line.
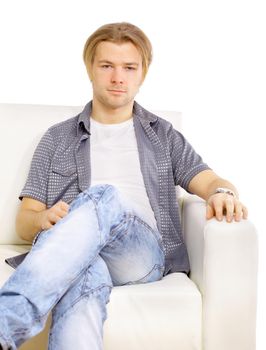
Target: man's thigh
{"x":135,"y":254}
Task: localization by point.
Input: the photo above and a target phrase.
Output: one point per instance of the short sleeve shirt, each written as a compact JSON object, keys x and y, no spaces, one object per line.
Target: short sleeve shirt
{"x":61,"y":169}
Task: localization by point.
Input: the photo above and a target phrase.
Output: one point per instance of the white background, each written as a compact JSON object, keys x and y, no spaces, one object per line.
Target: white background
{"x":209,"y":63}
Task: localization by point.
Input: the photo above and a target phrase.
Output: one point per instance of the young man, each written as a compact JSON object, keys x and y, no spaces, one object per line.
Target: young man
{"x":99,"y":203}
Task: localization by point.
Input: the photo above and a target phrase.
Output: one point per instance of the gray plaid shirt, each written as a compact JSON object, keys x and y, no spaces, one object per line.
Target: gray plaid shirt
{"x":61,"y":169}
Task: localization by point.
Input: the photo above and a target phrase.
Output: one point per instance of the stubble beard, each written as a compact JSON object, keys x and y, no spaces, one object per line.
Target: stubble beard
{"x":115,"y":102}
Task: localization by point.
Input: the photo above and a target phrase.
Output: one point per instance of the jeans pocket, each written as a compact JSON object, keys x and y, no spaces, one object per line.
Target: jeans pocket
{"x":154,"y":231}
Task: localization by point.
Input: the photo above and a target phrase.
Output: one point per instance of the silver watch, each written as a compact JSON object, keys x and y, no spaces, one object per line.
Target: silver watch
{"x":225,"y":190}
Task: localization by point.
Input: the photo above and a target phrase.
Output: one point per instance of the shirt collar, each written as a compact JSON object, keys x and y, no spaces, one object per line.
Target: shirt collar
{"x":139,"y":112}
{"x":84,"y":118}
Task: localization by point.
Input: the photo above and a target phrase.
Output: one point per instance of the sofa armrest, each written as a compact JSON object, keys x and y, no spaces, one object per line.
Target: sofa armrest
{"x":223,"y":258}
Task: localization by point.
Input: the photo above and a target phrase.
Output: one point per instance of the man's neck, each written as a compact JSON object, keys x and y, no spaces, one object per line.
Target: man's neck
{"x":107,"y":115}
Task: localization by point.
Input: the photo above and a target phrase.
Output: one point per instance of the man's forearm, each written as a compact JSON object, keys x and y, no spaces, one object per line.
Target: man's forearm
{"x":28,"y":224}
{"x":206,"y":183}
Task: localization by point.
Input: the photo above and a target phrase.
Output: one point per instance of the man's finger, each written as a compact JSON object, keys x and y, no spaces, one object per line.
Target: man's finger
{"x":54,"y":218}
{"x":209,"y":212}
{"x":245,"y":212}
{"x":60,"y":210}
{"x":64,"y":206}
{"x":238,"y":211}
{"x":229,"y":207}
{"x":218,"y":207}
{"x":48,"y":226}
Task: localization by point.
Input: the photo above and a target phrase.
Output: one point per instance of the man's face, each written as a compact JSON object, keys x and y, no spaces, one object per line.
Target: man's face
{"x":116,"y":74}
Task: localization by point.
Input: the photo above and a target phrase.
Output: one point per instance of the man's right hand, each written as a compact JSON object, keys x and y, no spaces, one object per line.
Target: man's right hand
{"x":51,"y":216}
{"x":34,"y":216}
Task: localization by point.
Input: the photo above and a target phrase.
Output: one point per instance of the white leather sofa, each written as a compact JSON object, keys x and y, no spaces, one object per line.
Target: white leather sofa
{"x":212,"y":309}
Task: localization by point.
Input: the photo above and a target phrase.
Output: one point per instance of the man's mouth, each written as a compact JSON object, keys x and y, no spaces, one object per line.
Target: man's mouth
{"x":117,"y":91}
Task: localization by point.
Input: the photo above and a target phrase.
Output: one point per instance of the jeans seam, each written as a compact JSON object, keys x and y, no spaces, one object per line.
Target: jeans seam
{"x":123,"y":221}
{"x":103,"y":192}
{"x":96,"y":203}
{"x":112,"y":236}
{"x":3,"y":337}
{"x":86,"y":277}
{"x":86,"y":294}
{"x":90,"y":291}
{"x":159,"y":240}
{"x":80,"y":273}
{"x":156,"y":266}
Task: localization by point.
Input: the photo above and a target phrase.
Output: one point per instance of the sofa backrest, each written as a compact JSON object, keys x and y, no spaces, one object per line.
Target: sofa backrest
{"x":21,"y":127}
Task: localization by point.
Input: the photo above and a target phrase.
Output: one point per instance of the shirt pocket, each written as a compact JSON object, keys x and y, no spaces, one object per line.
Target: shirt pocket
{"x":63,"y":183}
{"x":64,"y":170}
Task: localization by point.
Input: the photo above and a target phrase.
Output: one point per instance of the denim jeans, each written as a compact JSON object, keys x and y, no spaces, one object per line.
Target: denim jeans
{"x":72,"y":268}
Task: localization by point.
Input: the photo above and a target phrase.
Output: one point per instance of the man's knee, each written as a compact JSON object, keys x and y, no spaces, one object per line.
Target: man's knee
{"x":93,"y":193}
{"x":101,"y":191}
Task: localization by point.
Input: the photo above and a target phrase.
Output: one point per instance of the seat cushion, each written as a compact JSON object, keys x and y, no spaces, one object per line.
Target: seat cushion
{"x":160,"y":315}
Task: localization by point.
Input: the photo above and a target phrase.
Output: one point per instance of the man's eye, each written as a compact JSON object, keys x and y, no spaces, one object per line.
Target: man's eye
{"x":130,"y":68}
{"x":106,"y":66}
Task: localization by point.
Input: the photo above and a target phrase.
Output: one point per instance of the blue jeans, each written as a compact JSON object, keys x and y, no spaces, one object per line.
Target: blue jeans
{"x":72,"y":268}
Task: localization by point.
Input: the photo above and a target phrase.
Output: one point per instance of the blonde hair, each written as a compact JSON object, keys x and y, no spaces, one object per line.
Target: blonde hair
{"x":118,"y":33}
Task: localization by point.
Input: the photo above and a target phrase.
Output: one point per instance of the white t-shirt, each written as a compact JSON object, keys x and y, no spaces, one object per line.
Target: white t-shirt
{"x":115,"y":161}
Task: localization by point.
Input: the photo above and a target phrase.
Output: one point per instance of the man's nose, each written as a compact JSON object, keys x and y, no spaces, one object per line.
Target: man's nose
{"x":117,"y":76}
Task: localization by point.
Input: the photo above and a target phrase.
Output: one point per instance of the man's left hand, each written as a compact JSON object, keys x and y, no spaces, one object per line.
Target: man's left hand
{"x":223,"y":204}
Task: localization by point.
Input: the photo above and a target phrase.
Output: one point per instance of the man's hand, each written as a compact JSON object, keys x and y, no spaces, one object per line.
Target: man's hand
{"x":220,"y":204}
{"x":33,"y":216}
{"x":51,"y":216}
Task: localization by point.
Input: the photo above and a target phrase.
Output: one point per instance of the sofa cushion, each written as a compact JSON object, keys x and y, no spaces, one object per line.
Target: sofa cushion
{"x":169,"y":311}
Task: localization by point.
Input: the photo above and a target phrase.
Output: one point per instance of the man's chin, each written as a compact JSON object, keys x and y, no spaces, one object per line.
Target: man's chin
{"x":117,"y":104}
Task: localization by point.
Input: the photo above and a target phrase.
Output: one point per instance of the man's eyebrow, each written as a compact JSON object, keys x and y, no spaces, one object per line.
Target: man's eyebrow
{"x":126,"y":63}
